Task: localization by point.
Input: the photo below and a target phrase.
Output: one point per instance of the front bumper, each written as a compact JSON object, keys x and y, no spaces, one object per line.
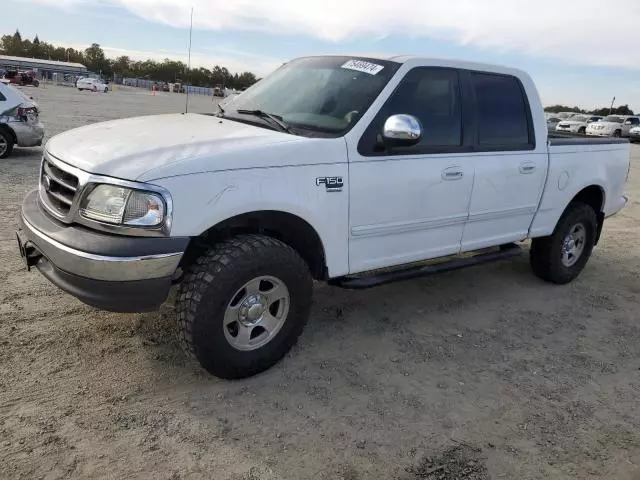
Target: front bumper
{"x":634,"y":137}
{"x":28,"y":134}
{"x":110,"y":272}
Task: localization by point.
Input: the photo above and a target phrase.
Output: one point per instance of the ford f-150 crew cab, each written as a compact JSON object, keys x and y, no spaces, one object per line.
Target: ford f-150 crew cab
{"x":356,"y":171}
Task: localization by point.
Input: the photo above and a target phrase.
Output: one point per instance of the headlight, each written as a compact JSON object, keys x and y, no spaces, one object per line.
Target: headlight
{"x":123,"y":206}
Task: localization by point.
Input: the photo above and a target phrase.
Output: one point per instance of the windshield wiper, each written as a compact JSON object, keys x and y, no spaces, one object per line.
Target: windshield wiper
{"x":276,"y":119}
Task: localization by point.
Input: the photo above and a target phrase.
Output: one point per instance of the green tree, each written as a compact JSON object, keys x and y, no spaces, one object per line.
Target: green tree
{"x":95,"y":59}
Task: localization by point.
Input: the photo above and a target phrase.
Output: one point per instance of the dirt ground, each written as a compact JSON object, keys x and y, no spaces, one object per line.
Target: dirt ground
{"x":487,"y":373}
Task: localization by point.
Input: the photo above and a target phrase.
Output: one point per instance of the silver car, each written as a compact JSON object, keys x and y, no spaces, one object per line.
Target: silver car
{"x":19,"y":120}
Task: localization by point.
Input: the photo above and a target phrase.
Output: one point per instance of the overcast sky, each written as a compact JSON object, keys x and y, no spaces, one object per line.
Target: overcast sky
{"x":579,"y":52}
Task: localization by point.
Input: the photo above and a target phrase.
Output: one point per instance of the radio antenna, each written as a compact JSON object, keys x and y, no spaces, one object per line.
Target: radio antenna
{"x":186,"y":107}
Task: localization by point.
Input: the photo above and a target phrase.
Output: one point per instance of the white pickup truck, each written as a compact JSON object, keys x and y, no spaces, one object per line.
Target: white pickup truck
{"x":356,"y":171}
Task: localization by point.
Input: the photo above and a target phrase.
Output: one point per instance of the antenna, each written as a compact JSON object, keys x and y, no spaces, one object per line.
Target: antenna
{"x":186,"y":107}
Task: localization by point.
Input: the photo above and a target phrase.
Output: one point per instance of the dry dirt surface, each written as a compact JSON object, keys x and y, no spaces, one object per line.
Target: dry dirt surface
{"x":487,"y":373}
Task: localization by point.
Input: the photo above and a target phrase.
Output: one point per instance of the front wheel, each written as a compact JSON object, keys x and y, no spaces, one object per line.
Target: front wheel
{"x":617,"y":134}
{"x":243,"y":304}
{"x":561,"y":257}
{"x":582,"y":130}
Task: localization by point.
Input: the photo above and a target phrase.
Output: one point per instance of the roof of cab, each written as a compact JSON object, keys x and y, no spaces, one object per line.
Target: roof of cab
{"x":450,"y":62}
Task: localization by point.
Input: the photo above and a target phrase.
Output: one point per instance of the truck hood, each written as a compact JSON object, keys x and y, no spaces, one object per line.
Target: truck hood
{"x":133,"y":148}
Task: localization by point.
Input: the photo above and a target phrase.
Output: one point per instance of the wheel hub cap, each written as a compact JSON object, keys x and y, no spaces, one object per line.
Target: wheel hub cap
{"x":573,"y":245}
{"x":252,"y":309}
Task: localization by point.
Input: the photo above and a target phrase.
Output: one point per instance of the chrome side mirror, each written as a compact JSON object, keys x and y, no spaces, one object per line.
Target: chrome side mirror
{"x":402,"y":130}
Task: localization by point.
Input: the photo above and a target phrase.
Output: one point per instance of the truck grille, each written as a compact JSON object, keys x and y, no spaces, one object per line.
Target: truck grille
{"x":59,"y":187}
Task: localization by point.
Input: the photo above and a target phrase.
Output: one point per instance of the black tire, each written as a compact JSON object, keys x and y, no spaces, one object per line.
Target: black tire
{"x":617,"y":133}
{"x":211,"y":284}
{"x":582,"y":130}
{"x":36,"y":83}
{"x":546,"y":253}
{"x":6,"y":139}
{"x":106,"y":89}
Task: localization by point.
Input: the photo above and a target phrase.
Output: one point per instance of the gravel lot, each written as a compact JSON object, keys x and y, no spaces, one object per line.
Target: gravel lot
{"x":483,"y":373}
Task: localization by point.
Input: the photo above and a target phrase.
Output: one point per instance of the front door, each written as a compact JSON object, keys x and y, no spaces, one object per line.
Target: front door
{"x":411,"y":203}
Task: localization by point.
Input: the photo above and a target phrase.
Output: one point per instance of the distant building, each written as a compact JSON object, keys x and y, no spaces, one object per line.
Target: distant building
{"x":49,"y":69}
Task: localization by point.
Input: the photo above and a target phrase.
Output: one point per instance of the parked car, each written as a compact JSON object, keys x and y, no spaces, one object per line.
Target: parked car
{"x":19,"y":120}
{"x":613,"y":126}
{"x":576,"y":123}
{"x":22,"y":78}
{"x":342,"y":169}
{"x":634,"y":135}
{"x":218,"y":91}
{"x":552,"y":123}
{"x":92,"y":84}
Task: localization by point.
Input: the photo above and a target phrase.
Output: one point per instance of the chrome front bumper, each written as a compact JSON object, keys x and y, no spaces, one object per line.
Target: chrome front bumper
{"x":108,"y":271}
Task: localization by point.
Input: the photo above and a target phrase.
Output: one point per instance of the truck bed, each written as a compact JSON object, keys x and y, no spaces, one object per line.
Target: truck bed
{"x":559,"y":138}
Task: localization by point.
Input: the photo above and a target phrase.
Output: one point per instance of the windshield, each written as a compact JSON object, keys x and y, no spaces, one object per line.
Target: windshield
{"x":325,"y":95}
{"x":612,"y":118}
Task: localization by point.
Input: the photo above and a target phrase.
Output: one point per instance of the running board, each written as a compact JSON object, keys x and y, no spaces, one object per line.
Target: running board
{"x":358,"y":283}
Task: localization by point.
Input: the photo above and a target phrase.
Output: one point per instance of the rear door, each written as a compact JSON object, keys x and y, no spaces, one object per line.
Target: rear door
{"x":510,"y":169}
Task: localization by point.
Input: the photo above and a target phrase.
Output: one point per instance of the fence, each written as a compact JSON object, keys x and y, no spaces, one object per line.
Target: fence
{"x":148,"y":84}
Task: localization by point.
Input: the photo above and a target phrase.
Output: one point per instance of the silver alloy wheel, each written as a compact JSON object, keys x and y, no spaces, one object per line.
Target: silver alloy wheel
{"x":256,"y":313}
{"x":4,"y":144}
{"x":573,"y":245}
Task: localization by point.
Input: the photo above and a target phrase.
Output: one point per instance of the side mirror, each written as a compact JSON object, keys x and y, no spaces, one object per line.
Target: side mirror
{"x":402,"y":130}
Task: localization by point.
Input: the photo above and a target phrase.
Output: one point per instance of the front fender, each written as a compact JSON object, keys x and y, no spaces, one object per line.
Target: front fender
{"x":204,"y":200}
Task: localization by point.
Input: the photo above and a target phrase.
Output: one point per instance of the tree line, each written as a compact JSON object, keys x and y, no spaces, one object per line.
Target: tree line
{"x":96,"y":61}
{"x":604,"y":111}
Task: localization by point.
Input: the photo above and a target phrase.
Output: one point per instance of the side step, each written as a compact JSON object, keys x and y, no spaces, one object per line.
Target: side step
{"x":358,"y":283}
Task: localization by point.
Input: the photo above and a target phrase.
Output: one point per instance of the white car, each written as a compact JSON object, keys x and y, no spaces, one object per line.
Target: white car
{"x":92,"y":84}
{"x":350,"y":170}
{"x":613,"y":126}
{"x":634,"y":135}
{"x":577,"y":123}
{"x":19,"y":120}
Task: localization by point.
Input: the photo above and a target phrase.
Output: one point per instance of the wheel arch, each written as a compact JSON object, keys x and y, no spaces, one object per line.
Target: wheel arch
{"x":594,"y":196}
{"x":284,"y":226}
{"x":10,"y":131}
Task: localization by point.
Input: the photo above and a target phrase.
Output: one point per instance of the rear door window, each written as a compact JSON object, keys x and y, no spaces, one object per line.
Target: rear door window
{"x":503,"y":113}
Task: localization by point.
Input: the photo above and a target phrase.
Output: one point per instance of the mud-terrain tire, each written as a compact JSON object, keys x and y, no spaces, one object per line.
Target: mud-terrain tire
{"x":243,"y":304}
{"x":560,"y":257}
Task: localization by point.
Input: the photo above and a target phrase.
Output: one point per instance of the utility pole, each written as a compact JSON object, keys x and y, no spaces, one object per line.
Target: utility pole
{"x":186,"y":107}
{"x":611,"y":108}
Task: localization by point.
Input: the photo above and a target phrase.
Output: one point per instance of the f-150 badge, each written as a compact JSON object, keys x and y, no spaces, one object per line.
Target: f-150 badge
{"x":332,"y":184}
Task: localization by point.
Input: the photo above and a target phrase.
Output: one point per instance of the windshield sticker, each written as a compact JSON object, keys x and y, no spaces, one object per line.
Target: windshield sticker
{"x":362,"y":66}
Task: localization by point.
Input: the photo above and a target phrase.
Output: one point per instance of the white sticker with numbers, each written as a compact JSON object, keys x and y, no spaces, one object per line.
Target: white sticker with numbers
{"x":362,"y":66}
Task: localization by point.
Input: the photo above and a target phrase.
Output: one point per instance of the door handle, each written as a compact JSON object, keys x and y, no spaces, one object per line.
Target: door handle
{"x":453,"y":173}
{"x":527,"y":168}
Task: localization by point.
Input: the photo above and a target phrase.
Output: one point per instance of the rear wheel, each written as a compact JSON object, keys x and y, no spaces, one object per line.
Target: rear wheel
{"x":6,"y":143}
{"x":561,"y":257}
{"x":106,"y":89}
{"x":243,"y":304}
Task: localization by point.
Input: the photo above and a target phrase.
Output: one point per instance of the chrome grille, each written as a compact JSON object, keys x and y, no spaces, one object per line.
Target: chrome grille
{"x":58,"y":187}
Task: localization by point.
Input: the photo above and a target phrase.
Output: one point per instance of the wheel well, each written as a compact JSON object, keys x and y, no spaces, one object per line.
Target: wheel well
{"x":594,"y":197}
{"x":11,"y":132}
{"x":286,"y":227}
